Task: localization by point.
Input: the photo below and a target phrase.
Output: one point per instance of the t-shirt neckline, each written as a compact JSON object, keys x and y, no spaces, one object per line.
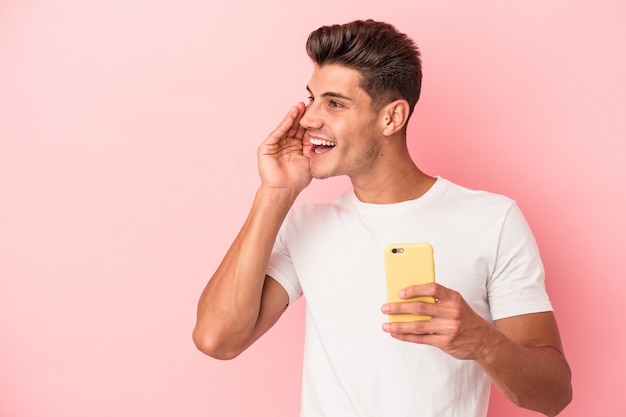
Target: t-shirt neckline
{"x":402,"y":206}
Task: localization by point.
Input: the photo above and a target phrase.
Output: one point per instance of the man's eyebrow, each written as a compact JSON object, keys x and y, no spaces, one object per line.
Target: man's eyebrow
{"x":331,"y":94}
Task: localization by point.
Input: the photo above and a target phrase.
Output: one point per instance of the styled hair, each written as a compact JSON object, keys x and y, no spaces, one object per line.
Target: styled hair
{"x":388,"y":61}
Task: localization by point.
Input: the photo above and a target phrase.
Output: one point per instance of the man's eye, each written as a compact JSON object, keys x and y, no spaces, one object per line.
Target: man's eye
{"x":310,"y":99}
{"x":335,"y":104}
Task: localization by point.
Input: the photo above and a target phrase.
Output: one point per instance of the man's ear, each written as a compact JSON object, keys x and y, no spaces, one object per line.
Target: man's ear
{"x":394,"y":116}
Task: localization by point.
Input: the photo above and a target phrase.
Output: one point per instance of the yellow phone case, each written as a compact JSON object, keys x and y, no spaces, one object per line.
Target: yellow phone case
{"x":408,"y":264}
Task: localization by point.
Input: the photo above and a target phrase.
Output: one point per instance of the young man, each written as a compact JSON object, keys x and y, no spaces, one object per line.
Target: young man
{"x":492,"y":320}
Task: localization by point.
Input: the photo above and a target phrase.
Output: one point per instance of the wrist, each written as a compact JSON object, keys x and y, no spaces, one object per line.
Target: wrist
{"x":274,"y":201}
{"x":278,"y":194}
{"x":492,"y":347}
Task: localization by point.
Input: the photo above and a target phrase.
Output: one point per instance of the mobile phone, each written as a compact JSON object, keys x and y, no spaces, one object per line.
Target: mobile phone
{"x":408,"y":264}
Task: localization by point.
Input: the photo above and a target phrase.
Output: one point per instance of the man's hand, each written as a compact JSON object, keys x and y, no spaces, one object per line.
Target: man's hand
{"x":454,"y":327}
{"x":281,"y":157}
{"x":522,"y":355}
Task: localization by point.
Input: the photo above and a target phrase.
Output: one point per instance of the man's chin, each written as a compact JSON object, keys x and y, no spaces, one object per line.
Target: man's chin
{"x":321,"y":175}
{"x":321,"y":171}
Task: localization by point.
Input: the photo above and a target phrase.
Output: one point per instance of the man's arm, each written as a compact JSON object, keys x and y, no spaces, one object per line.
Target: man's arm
{"x":522,"y":355}
{"x":240,"y":302}
{"x":530,"y":367}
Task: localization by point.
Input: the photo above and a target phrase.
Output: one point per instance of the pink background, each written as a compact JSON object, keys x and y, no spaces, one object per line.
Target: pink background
{"x":127,"y":164}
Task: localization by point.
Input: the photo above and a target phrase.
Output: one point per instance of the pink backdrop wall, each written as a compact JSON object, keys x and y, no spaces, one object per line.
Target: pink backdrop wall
{"x":128,"y":132}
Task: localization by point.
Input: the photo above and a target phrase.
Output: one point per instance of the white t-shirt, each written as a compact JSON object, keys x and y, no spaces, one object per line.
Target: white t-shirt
{"x":333,"y":254}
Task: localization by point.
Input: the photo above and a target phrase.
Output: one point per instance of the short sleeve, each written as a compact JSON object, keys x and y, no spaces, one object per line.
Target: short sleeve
{"x":280,"y":266}
{"x":517,"y":284}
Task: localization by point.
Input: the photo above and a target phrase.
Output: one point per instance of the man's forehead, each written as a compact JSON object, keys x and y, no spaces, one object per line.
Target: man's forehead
{"x":336,"y":80}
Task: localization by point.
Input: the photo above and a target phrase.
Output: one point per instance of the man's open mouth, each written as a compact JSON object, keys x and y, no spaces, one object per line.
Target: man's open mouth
{"x":321,"y":145}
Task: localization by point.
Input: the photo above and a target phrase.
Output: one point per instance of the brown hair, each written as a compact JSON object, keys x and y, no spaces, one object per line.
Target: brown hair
{"x":388,"y":61}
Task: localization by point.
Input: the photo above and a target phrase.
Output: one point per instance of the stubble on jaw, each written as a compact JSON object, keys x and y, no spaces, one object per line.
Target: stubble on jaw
{"x":364,"y":158}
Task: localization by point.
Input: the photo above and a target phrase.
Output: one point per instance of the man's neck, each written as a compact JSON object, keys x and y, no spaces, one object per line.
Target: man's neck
{"x":399,"y":183}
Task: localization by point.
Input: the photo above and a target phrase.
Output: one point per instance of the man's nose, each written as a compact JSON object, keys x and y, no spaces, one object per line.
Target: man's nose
{"x":310,"y":119}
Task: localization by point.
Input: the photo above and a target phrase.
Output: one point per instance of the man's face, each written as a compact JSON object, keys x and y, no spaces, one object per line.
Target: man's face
{"x":340,"y":123}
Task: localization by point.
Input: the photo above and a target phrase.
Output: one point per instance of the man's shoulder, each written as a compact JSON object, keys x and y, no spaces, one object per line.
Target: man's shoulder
{"x":308,"y":209}
{"x":453,"y":193}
